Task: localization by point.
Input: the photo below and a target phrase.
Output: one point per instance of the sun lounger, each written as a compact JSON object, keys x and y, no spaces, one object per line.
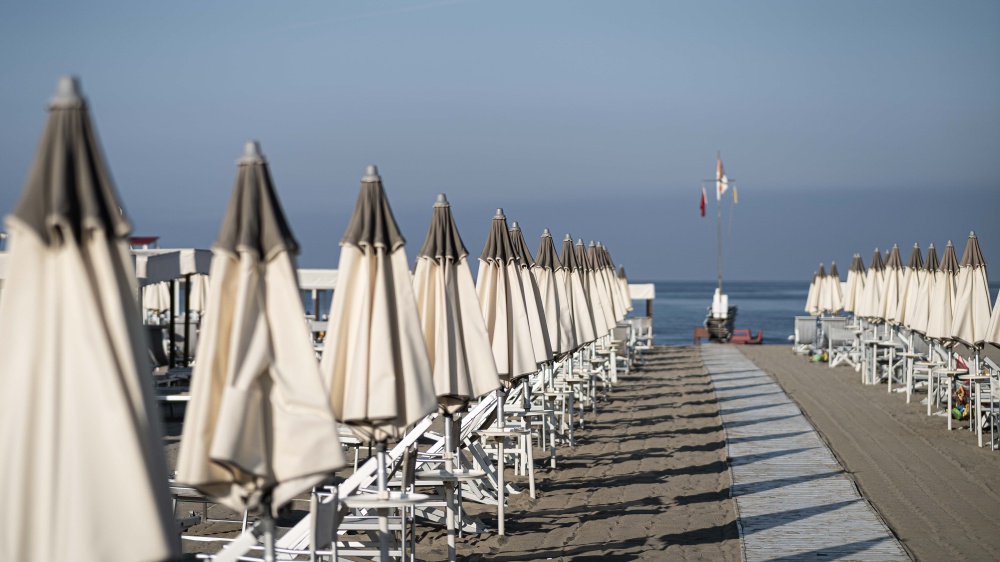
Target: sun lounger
{"x":805,"y":334}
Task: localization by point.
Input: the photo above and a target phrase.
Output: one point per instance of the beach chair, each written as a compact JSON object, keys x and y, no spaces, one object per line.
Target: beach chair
{"x":642,"y":336}
{"x":805,"y":334}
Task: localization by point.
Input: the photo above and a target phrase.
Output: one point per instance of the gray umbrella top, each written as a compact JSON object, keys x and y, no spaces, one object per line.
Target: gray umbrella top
{"x":568,"y":256}
{"x":520,"y":246}
{"x":973,"y":254}
{"x":582,"y":260}
{"x":621,"y":272}
{"x":546,"y":256}
{"x":254,"y":221}
{"x":916,"y":261}
{"x":932,"y":264}
{"x":821,"y":273}
{"x":857,"y":265}
{"x":372,"y":223}
{"x":833,"y":271}
{"x":443,"y":241}
{"x":877,"y":264}
{"x":498,"y":247}
{"x":894,"y":261}
{"x":949,"y":263}
{"x":69,"y":187}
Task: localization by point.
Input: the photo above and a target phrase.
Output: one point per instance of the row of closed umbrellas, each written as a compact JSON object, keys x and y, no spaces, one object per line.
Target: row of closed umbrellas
{"x":261,"y":426}
{"x":945,"y":300}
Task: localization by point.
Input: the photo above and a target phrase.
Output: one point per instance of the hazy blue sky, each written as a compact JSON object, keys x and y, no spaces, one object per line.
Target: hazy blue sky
{"x":848,"y":125}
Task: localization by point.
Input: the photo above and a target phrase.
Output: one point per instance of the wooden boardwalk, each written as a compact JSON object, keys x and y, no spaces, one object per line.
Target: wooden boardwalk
{"x":793,"y":500}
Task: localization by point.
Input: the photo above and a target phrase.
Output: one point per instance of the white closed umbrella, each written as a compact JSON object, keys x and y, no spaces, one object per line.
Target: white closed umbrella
{"x":156,"y":297}
{"x":458,"y":346}
{"x":910,"y":288}
{"x":258,"y":429}
{"x":972,"y":297}
{"x":200,"y":289}
{"x":942,"y":303}
{"x":502,"y":301}
{"x":922,"y":306}
{"x":831,"y":299}
{"x":891,"y":288}
{"x":551,"y":277}
{"x":871,"y":297}
{"x":80,"y":425}
{"x":584,"y":327}
{"x":855,"y":285}
{"x":540,"y":342}
{"x":599,"y":307}
{"x":607,"y":271}
{"x":375,"y":362}
{"x":812,"y":297}
{"x":626,"y":294}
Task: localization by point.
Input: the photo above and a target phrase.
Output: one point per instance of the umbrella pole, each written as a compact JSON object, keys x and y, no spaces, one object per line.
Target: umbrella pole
{"x":187,"y":320}
{"x":267,"y":526}
{"x":171,"y":318}
{"x":501,"y":490}
{"x":383,"y":493}
{"x":449,"y":485}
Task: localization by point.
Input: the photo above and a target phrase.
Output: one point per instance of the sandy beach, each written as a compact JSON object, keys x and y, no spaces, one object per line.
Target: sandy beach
{"x":936,"y":490}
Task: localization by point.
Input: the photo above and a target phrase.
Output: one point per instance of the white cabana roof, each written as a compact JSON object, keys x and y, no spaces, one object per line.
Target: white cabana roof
{"x":321,"y":279}
{"x":155,"y":266}
{"x":642,"y":291}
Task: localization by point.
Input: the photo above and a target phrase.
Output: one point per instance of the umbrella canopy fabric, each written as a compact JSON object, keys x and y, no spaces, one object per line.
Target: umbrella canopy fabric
{"x":873,"y":288}
{"x":993,"y":329}
{"x":831,"y":299}
{"x":922,"y":305}
{"x":855,"y":284}
{"x":540,"y":342}
{"x":912,"y":278}
{"x":200,"y":288}
{"x":156,"y":297}
{"x":942,"y":303}
{"x":258,"y":421}
{"x":972,"y":297}
{"x":599,"y":283}
{"x":552,"y":280}
{"x":584,"y":326}
{"x":891,"y":287}
{"x":626,"y":294}
{"x":502,"y":301}
{"x":79,"y":420}
{"x":602,"y":323}
{"x":607,"y":270}
{"x":812,"y":297}
{"x":375,"y":361}
{"x":458,"y":346}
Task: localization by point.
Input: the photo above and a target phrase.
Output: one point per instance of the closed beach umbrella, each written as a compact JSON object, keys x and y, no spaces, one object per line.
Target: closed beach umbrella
{"x":607,"y":270}
{"x":259,"y":428}
{"x":972,"y":297}
{"x":855,"y":284}
{"x":889,"y":300}
{"x":375,"y":362}
{"x":812,"y":297}
{"x":80,"y":425}
{"x":993,"y":329}
{"x":551,"y":277}
{"x":602,"y":322}
{"x":873,"y":288}
{"x":156,"y":297}
{"x":532,"y":298}
{"x":922,"y":306}
{"x":912,"y":278}
{"x":600,"y":284}
{"x":200,"y":288}
{"x":626,"y":294}
{"x":831,"y":299}
{"x":942,"y":303}
{"x":583,"y":315}
{"x":502,"y":301}
{"x":458,"y":346}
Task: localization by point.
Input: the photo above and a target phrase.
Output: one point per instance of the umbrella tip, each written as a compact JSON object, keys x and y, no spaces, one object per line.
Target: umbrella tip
{"x":599,"y":245}
{"x":972,"y":234}
{"x":499,"y":214}
{"x":930,"y":246}
{"x":371,"y":174}
{"x":545,"y":232}
{"x":442,"y":201}
{"x":949,"y":243}
{"x":579,"y":241}
{"x":67,"y":93}
{"x":568,"y":238}
{"x":251,"y":153}
{"x":591,"y":245}
{"x":515,"y":226}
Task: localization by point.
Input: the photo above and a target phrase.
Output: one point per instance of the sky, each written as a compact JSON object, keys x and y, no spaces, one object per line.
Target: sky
{"x":846,"y":125}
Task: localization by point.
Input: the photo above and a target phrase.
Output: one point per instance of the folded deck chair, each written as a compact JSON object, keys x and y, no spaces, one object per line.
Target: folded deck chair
{"x":805,"y":334}
{"x":841,"y":346}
